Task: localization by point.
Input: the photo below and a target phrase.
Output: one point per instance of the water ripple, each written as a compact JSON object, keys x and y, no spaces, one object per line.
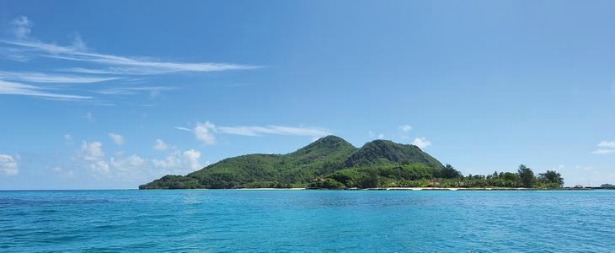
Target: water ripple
{"x":306,"y":221}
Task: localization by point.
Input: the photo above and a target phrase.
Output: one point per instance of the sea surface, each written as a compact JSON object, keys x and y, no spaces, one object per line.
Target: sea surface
{"x":307,"y":221}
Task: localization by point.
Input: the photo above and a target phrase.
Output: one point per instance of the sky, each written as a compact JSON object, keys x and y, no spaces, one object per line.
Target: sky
{"x":114,"y":94}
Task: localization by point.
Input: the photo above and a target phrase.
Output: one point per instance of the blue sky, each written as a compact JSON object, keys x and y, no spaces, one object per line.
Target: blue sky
{"x":113,"y":94}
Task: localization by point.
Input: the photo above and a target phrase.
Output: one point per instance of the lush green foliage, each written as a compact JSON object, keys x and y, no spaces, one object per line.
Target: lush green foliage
{"x":297,"y":169}
{"x":449,"y":172}
{"x":550,"y":179}
{"x":524,"y":178}
{"x":333,"y":163}
{"x":381,"y":151}
{"x":172,"y":182}
{"x":526,"y":175}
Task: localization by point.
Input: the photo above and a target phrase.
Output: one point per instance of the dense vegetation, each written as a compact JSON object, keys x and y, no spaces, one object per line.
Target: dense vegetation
{"x":333,"y":163}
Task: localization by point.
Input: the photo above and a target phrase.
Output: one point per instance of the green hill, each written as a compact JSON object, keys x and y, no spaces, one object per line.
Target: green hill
{"x":330,"y":162}
{"x":384,"y":152}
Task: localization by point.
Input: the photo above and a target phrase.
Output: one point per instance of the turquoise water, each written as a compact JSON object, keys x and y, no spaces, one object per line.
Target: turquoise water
{"x":307,"y":221}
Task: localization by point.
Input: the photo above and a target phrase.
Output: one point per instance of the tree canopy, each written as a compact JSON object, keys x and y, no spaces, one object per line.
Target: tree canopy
{"x":333,"y":163}
{"x":526,"y":175}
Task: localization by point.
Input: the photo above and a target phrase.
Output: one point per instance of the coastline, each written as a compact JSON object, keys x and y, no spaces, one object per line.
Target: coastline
{"x":426,"y":189}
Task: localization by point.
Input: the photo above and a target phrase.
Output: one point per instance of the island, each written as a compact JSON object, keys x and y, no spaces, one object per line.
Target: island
{"x":333,"y":163}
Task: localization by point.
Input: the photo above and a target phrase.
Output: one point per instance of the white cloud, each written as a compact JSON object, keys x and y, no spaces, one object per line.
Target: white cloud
{"x":405,"y":128}
{"x":13,"y":88}
{"x":205,"y":133}
{"x":119,"y":65}
{"x":133,"y":162}
{"x":421,"y":142}
{"x":605,"y":147}
{"x":381,"y":136}
{"x":8,"y":165}
{"x":192,"y":158}
{"x":172,"y":161}
{"x":22,"y":27}
{"x":160,"y":145}
{"x":117,"y":138}
{"x":178,"y":162}
{"x":114,"y":167}
{"x":183,"y":129}
{"x":603,"y":151}
{"x":124,"y":91}
{"x":607,"y":144}
{"x":104,"y":67}
{"x":36,"y":77}
{"x":100,"y":167}
{"x":92,"y":151}
{"x":273,"y":129}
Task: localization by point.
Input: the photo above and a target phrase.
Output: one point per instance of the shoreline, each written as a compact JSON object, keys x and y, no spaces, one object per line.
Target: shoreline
{"x":421,"y":189}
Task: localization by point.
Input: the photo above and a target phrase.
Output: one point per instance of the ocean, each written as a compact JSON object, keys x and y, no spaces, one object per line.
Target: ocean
{"x":307,"y":221}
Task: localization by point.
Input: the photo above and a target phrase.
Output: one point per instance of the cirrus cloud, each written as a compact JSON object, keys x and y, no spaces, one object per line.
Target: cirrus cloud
{"x":206,"y":132}
{"x":101,"y":67}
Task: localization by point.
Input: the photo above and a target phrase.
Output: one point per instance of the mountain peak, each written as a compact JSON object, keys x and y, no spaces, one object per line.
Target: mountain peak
{"x":326,"y":144}
{"x":378,"y":151}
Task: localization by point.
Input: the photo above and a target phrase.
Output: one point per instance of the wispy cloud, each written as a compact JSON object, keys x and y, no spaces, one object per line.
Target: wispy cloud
{"x":102,"y":67}
{"x":603,"y":151}
{"x":14,"y":88}
{"x":22,"y":26}
{"x":119,"y":64}
{"x":117,"y":138}
{"x":607,"y":144}
{"x":273,"y":129}
{"x":124,"y":91}
{"x":206,"y":132}
{"x":379,"y":136}
{"x":405,"y":128}
{"x":90,"y":117}
{"x":36,"y":77}
{"x":63,"y":173}
{"x":405,"y":131}
{"x":183,"y":129}
{"x":605,"y":147}
{"x":68,"y":139}
{"x":160,"y":145}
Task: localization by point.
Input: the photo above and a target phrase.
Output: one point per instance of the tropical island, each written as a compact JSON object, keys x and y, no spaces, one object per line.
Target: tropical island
{"x":333,"y":163}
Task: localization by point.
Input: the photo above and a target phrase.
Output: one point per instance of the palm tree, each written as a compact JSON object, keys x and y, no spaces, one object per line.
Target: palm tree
{"x":526,"y":175}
